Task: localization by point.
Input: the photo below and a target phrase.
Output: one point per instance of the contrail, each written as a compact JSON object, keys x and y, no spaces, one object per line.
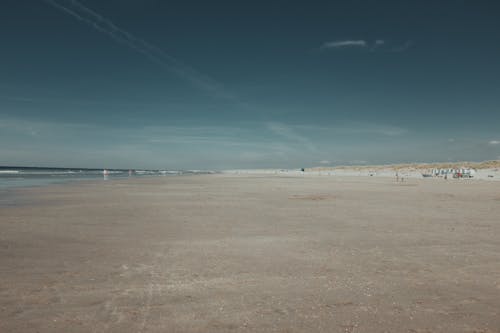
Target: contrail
{"x":152,"y":52}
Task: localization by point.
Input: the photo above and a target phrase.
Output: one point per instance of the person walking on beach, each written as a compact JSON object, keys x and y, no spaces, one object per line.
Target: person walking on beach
{"x":397,"y":177}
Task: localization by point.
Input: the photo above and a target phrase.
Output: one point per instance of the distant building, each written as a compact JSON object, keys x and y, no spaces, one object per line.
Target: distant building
{"x":463,"y":172}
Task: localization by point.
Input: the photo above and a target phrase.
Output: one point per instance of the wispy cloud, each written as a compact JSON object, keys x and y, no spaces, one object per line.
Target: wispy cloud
{"x":386,"y":130}
{"x":351,"y":128}
{"x":150,"y":51}
{"x":494,"y":142}
{"x":372,"y":128}
{"x":403,"y":47}
{"x":81,"y":102}
{"x":16,"y":99}
{"x":344,"y":43}
{"x":148,"y":146}
{"x":378,"y":44}
{"x":290,"y":133}
{"x":27,"y":128}
{"x":149,"y":135}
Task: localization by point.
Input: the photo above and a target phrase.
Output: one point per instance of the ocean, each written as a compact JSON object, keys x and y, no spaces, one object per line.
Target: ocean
{"x":36,"y":176}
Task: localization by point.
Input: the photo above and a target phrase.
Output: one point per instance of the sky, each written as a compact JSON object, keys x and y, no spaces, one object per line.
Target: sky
{"x":247,"y":84}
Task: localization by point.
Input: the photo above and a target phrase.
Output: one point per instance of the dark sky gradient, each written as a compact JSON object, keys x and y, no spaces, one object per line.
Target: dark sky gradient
{"x":249,"y":84}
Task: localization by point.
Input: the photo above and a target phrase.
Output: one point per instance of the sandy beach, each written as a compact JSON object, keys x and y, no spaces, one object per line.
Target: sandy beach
{"x":251,"y":253}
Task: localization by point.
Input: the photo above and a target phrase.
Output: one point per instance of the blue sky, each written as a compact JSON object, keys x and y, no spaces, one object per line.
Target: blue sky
{"x":233,"y":84}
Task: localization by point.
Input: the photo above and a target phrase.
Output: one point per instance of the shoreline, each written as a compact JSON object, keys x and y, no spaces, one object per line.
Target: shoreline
{"x":486,"y":170}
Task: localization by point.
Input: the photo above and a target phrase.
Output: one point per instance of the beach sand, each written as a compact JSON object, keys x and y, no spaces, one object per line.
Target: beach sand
{"x":251,"y":253}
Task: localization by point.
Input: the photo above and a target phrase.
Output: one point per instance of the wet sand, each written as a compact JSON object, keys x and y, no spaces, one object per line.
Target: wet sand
{"x":268,"y":253}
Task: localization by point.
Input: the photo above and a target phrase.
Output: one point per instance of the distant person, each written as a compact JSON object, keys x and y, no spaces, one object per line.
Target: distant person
{"x":397,"y":177}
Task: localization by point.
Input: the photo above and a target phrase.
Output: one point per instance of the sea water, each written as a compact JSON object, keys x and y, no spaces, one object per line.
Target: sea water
{"x":35,"y":176}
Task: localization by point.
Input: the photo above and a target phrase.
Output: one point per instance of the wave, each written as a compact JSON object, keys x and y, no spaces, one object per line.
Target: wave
{"x":35,"y":172}
{"x":44,"y":173}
